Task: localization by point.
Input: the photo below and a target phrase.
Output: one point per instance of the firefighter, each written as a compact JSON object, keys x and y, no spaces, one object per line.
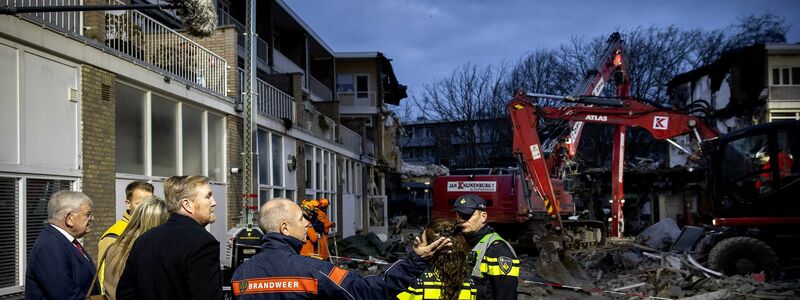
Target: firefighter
{"x":493,"y":263}
{"x":280,"y":272}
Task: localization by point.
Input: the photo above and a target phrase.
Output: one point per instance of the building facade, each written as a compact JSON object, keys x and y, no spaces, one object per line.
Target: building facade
{"x":91,"y":101}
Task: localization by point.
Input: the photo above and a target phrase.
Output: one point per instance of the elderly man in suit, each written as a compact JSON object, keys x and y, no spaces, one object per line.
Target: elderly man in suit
{"x":179,"y":259}
{"x":59,"y":267}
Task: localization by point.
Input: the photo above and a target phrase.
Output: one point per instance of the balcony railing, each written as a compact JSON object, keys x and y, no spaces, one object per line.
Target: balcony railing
{"x":224,"y":18}
{"x":349,"y":139}
{"x":789,"y":92}
{"x":270,"y":101}
{"x":319,"y":125}
{"x":357,"y":99}
{"x":285,"y":65}
{"x":71,"y":22}
{"x":319,"y":89}
{"x":137,"y":36}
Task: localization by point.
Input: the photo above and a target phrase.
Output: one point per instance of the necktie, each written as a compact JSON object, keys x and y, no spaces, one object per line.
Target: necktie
{"x":79,"y":247}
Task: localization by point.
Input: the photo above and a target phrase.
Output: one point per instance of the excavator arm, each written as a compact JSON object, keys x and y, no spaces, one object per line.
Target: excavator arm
{"x":627,"y":112}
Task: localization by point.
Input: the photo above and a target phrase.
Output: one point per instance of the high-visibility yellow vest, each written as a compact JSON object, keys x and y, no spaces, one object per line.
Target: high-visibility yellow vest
{"x":429,"y":287}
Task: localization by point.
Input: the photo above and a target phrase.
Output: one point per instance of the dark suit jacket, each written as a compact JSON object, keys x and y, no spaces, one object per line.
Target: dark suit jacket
{"x":177,"y":260}
{"x":56,"y":269}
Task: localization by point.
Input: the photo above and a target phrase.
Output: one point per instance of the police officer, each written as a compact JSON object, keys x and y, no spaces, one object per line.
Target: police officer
{"x":280,"y":272}
{"x":493,"y":263}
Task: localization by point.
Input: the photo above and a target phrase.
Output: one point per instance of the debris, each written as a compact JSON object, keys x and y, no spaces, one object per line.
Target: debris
{"x":721,"y":294}
{"x":660,"y":235}
{"x":629,"y":287}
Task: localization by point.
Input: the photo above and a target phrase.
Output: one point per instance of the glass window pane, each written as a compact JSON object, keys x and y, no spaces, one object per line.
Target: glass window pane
{"x":216,"y":147}
{"x":9,"y":236}
{"x":309,"y":156}
{"x":776,"y":76}
{"x":344,"y":82}
{"x":318,"y":169}
{"x":290,"y":195}
{"x":277,"y":193}
{"x":164,"y":136}
{"x":263,"y":197}
{"x":263,"y":157}
{"x":785,"y":76}
{"x":192,"y":120}
{"x":795,"y":75}
{"x":37,"y":196}
{"x":129,"y":125}
{"x":277,"y":160}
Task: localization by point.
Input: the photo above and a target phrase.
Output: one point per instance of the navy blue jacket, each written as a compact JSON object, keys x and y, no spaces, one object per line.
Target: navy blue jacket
{"x":176,"y":260}
{"x":280,"y":272}
{"x":57,"y":270}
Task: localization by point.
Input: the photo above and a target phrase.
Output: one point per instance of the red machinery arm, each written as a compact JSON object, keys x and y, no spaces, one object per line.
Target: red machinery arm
{"x":659,"y":122}
{"x":611,"y":65}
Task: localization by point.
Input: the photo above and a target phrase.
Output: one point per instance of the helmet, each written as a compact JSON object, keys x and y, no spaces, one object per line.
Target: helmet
{"x":323,"y":202}
{"x":313,"y":203}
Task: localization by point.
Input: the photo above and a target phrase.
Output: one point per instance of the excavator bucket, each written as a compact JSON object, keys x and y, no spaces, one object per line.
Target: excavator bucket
{"x":555,"y":265}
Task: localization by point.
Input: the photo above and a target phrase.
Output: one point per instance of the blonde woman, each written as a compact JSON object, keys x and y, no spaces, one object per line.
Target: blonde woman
{"x":150,"y":213}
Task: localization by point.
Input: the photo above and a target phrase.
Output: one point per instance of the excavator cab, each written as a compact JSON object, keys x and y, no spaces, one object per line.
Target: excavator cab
{"x":754,"y":183}
{"x":755,"y":172}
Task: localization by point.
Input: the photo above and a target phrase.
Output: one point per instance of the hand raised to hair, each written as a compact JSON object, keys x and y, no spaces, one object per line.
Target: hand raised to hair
{"x":426,"y":251}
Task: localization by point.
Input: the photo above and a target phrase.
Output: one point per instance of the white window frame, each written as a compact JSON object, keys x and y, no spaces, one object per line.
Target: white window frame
{"x":272,"y":186}
{"x":781,"y":77}
{"x":148,"y":137}
{"x":21,"y":246}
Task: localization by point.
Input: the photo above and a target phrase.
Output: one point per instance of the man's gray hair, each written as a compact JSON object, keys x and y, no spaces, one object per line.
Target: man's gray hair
{"x":64,"y":202}
{"x":273,"y":213}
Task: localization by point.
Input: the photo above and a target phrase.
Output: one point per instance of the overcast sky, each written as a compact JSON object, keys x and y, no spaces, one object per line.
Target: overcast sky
{"x":427,"y":39}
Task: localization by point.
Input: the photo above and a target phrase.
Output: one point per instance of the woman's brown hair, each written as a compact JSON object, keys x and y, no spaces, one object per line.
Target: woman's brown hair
{"x":450,"y":267}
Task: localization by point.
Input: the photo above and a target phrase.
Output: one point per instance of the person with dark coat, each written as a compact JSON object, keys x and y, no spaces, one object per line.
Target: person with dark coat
{"x":280,"y":272}
{"x":494,"y":265}
{"x":179,"y":259}
{"x":59,"y":267}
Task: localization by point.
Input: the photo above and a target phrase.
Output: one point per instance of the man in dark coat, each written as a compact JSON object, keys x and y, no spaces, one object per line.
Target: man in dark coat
{"x":59,"y":267}
{"x":280,"y":272}
{"x":179,"y":259}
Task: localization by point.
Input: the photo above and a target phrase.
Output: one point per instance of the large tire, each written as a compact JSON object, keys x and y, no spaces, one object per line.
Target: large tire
{"x":742,"y":256}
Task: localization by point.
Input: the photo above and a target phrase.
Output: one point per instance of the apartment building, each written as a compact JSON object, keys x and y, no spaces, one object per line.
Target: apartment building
{"x":91,"y":101}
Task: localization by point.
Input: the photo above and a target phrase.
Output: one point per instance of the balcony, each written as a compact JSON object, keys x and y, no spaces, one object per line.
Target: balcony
{"x":225,"y":19}
{"x":270,"y":101}
{"x":137,"y":37}
{"x":319,"y":125}
{"x":319,"y":92}
{"x":349,"y":139}
{"x":369,"y":148}
{"x":784,"y":92}
{"x":358,"y":103}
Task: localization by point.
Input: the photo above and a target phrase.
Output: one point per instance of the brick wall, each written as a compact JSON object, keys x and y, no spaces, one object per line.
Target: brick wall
{"x":99,"y":146}
{"x":95,"y":22}
{"x":223,"y":43}
{"x":297,"y":95}
{"x":234,"y":145}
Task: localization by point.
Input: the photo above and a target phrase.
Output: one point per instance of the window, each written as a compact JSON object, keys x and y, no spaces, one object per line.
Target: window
{"x":271,"y":166}
{"x":277,"y":160}
{"x":155,"y":133}
{"x":353,"y":83}
{"x":130,"y":127}
{"x":34,"y":195}
{"x":786,"y":76}
{"x":164,"y":135}
{"x":216,"y":147}
{"x":192,"y":140}
{"x":263,"y":164}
